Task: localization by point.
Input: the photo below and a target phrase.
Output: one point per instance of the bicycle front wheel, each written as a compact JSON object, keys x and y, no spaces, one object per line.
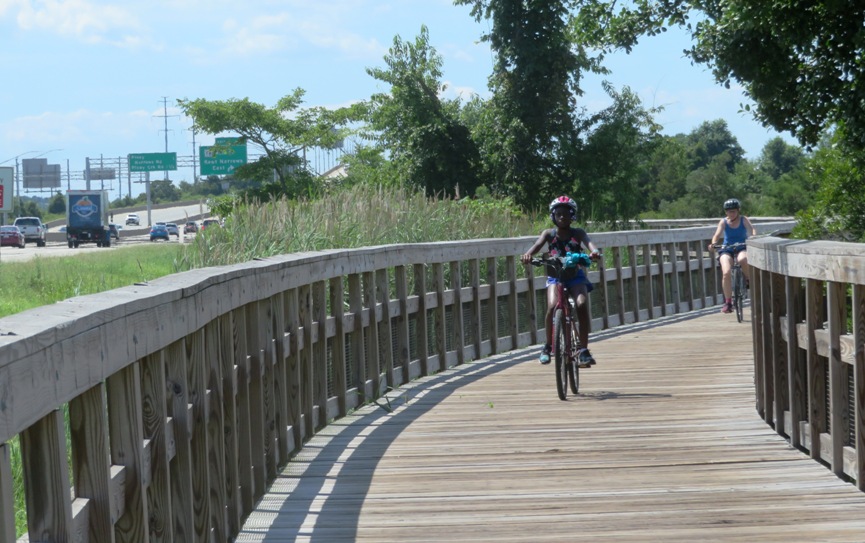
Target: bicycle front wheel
{"x":561,"y":357}
{"x":738,"y":291}
{"x":573,"y":365}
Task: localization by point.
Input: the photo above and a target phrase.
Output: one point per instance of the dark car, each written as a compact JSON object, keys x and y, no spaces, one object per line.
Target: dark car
{"x":158,"y":231}
{"x":12,"y":236}
{"x":191,"y":227}
{"x":114,"y":231}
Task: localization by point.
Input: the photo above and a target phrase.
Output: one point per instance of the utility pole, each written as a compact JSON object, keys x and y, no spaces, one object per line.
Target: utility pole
{"x":165,"y":117}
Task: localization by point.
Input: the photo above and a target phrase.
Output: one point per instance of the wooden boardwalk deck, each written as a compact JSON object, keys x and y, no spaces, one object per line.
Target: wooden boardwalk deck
{"x":662,"y":444}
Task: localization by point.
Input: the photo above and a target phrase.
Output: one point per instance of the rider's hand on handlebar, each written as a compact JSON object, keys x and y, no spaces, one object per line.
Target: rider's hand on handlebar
{"x":526,"y":258}
{"x":595,"y":255}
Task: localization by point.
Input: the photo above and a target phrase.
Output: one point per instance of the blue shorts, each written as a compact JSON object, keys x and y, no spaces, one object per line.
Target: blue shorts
{"x":580,"y":279}
{"x":731,"y":252}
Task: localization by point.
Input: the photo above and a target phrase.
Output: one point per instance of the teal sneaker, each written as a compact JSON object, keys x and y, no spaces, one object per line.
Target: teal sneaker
{"x":586,"y":358}
{"x":545,"y":355}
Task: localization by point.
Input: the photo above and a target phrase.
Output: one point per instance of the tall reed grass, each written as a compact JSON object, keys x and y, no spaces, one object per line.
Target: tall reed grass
{"x":359,"y":216}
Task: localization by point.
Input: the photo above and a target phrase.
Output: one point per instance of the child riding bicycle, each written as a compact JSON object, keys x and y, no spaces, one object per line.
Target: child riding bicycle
{"x":562,"y":240}
{"x":734,"y":228}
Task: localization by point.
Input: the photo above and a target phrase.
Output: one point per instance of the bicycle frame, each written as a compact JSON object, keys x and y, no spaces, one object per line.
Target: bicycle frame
{"x":737,"y":279}
{"x":565,"y":336}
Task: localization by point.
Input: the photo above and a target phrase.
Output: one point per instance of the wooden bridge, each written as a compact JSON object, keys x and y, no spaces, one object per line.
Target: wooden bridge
{"x":662,"y":444}
{"x":385,"y":394}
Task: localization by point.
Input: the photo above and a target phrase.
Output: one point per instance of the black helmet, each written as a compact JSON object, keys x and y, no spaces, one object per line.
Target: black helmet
{"x":732,"y":203}
{"x":563,"y":201}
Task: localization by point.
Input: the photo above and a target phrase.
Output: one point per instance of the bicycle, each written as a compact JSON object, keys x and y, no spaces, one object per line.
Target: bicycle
{"x":566,"y":339}
{"x":737,"y":279}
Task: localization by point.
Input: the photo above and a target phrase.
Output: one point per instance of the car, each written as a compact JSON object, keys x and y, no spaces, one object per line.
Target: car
{"x":190,"y":227}
{"x":114,"y":230}
{"x":133,"y":219}
{"x":172,"y":229}
{"x":32,"y":228}
{"x":12,"y":236}
{"x":209,"y":222}
{"x":158,"y":231}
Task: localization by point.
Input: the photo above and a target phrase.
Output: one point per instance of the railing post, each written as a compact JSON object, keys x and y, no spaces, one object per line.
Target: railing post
{"x":403,"y":356}
{"x":373,"y":364}
{"x":778,"y":353}
{"x":340,"y":379}
{"x":513,"y":301}
{"x":421,"y":340}
{"x":635,"y":282}
{"x":319,"y":350}
{"x":358,"y":353}
{"x":858,"y":308}
{"x":797,"y":391}
{"x":385,"y":329}
{"x":816,"y":375}
{"x":532,"y":304}
{"x":440,"y":315}
{"x":457,"y":311}
{"x":126,"y":436}
{"x":46,"y":479}
{"x":7,"y":499}
{"x":757,"y":332}
{"x":662,"y":277}
{"x":620,"y":285}
{"x":493,"y":304}
{"x":476,"y":321}
{"x":838,"y":374}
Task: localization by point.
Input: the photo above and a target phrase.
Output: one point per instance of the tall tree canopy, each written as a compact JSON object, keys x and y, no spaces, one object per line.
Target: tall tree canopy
{"x":278,"y":132}
{"x":535,"y":82}
{"x":799,"y":61}
{"x":428,"y":144}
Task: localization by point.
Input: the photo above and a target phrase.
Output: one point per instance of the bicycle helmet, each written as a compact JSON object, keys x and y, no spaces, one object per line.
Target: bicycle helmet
{"x":732,"y":203}
{"x":563,"y":201}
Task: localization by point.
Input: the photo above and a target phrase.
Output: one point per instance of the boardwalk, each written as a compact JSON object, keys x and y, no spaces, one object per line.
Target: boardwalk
{"x":662,"y":444}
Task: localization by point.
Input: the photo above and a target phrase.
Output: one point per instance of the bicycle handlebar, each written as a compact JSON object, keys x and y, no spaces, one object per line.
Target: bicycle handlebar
{"x":582,"y":259}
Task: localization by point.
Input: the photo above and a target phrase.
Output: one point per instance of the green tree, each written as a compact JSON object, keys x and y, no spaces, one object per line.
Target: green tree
{"x":163,"y":190}
{"x":800,"y":62}
{"x":535,"y":82}
{"x":429,"y":146}
{"x":278,"y":132}
{"x":615,"y":158}
{"x":57,"y":204}
{"x":778,"y":158}
{"x":710,"y":140}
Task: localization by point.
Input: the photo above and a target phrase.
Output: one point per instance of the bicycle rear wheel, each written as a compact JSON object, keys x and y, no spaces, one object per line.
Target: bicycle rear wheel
{"x":738,"y":291}
{"x":561,"y":358}
{"x":573,"y":366}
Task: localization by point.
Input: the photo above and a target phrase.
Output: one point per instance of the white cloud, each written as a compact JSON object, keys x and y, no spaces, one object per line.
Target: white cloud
{"x":79,"y":19}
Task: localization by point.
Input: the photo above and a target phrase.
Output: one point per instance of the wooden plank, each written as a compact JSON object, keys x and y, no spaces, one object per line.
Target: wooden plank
{"x":839,"y":397}
{"x":797,"y":377}
{"x":199,"y":443}
{"x":620,"y":284}
{"x":650,"y":287}
{"x":154,"y":393}
{"x":689,"y":278}
{"x":778,"y":352}
{"x":512,"y":300}
{"x":493,"y":303}
{"x":458,"y":324}
{"x":280,"y":376}
{"x":403,"y":340}
{"x":46,"y":480}
{"x":476,"y":322}
{"x":7,"y":496}
{"x":675,"y":290}
{"x":816,"y":377}
{"x":662,"y":277}
{"x":421,"y":339}
{"x":439,"y":313}
{"x":214,"y":421}
{"x":307,"y":361}
{"x":255,"y":383}
{"x":357,"y":379}
{"x":385,"y":333}
{"x":230,"y":422}
{"x":127,"y":449}
{"x":758,"y":333}
{"x":177,"y":379}
{"x":340,"y":378}
{"x":373,"y":358}
{"x":858,"y":312}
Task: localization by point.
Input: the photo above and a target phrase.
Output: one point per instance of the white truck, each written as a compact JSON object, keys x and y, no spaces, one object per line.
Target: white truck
{"x":33,"y":229}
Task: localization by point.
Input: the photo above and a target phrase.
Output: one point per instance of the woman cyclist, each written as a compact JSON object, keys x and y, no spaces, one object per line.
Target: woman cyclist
{"x":734,"y":228}
{"x":562,"y":240}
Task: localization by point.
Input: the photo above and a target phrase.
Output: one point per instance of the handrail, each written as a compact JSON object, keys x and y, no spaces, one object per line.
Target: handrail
{"x":808,"y":314}
{"x":186,"y":395}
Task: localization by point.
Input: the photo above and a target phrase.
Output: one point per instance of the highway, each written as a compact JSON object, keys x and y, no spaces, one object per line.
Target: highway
{"x":129,"y":235}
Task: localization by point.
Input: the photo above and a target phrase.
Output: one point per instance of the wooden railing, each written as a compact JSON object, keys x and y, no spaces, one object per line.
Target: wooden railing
{"x":809,"y":347}
{"x":169,"y":407}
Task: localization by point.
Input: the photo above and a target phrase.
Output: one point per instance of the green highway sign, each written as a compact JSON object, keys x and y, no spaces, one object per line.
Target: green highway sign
{"x":152,"y":162}
{"x":222,"y":158}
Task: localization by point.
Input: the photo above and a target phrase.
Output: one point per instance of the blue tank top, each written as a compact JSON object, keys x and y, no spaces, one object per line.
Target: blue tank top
{"x":735,"y":235}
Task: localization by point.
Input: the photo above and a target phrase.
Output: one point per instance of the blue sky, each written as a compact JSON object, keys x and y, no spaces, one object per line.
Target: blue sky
{"x":84,"y":78}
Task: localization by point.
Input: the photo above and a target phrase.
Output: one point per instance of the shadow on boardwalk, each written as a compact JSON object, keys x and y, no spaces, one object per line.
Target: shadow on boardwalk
{"x":662,"y":444}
